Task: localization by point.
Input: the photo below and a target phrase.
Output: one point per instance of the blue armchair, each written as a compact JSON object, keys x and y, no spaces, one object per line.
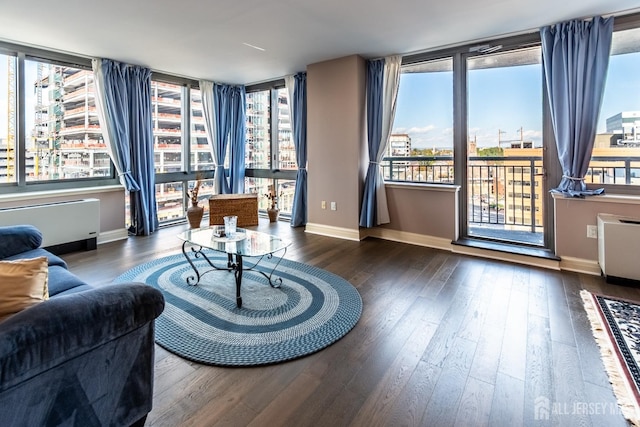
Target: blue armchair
{"x":82,"y":358}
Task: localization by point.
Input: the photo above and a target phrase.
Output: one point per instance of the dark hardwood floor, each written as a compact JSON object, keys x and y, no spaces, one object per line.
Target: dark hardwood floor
{"x":443,"y":340}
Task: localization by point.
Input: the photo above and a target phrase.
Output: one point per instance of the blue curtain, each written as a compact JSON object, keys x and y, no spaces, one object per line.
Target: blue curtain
{"x":127,"y":100}
{"x":208,"y":112}
{"x":112,"y":112}
{"x":299,"y":124}
{"x":229,"y":113}
{"x":576,"y":57}
{"x":375,"y":80}
{"x":222,"y":115}
{"x":237,"y":136}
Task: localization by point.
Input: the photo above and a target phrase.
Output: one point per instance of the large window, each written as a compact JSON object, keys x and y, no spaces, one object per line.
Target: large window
{"x":421,"y":145}
{"x":258,"y":136}
{"x":286,"y":150}
{"x":270,"y":156}
{"x":61,"y":139}
{"x":201,"y":158}
{"x":616,"y":153}
{"x":166,"y":102}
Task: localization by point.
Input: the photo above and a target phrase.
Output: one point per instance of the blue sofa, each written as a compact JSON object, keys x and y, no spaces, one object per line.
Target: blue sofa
{"x":82,"y":358}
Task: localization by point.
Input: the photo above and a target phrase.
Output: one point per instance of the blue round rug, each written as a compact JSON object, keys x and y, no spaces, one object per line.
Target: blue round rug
{"x":312,"y":309}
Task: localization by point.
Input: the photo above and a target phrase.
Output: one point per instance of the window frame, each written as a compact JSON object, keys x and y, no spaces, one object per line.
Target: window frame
{"x":460,"y":53}
{"x":21,"y":185}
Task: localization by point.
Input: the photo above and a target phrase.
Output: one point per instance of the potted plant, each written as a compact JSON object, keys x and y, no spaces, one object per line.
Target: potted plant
{"x":273,"y":211}
{"x":195,"y":211}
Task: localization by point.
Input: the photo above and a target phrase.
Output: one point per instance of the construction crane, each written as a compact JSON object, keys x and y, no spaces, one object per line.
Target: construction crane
{"x":11,"y":117}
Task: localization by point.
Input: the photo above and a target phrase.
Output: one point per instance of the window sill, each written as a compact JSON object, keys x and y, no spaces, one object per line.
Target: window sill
{"x":88,"y":191}
{"x":628,"y":199}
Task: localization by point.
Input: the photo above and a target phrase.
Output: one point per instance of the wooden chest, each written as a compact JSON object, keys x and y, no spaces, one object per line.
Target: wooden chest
{"x":244,"y":206}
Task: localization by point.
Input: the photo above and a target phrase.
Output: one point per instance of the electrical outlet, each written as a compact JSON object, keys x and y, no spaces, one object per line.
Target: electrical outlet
{"x":592,"y":231}
{"x":333,"y":206}
{"x":323,"y":204}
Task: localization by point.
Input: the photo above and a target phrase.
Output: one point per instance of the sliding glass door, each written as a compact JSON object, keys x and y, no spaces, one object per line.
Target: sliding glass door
{"x":505,"y":187}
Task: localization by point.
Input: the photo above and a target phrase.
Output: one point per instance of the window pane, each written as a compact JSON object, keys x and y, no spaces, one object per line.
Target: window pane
{"x":166,"y":101}
{"x":200,"y":153}
{"x":260,"y":186}
{"x":286,"y":149}
{"x":616,"y":152}
{"x":63,"y":136}
{"x":423,"y":124}
{"x":170,"y":201}
{"x":7,"y":119}
{"x":258,"y":148}
{"x":286,"y":190}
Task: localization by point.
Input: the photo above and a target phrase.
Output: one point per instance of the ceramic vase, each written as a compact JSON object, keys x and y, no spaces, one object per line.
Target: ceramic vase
{"x":194,"y":215}
{"x":273,"y":212}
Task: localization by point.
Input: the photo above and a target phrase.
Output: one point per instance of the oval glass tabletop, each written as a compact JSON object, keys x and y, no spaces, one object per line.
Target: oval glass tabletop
{"x":244,"y":242}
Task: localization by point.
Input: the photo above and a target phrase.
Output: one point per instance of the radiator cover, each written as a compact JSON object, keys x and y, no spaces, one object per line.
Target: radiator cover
{"x":65,"y":226}
{"x":619,"y":247}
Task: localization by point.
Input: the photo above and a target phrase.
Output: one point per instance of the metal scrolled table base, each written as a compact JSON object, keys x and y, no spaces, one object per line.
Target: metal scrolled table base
{"x":237,"y":267}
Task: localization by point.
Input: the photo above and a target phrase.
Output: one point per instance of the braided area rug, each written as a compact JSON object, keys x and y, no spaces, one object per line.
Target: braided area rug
{"x":312,"y":309}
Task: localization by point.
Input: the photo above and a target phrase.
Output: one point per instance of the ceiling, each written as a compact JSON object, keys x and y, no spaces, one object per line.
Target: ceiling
{"x":206,"y":39}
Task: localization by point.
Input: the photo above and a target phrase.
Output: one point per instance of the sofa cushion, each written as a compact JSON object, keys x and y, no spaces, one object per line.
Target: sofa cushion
{"x":35,"y":253}
{"x":23,"y":283}
{"x":61,"y":280}
{"x":18,"y":238}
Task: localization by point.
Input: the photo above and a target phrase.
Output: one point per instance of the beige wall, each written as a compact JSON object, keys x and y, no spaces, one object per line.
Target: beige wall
{"x":428,"y":210}
{"x":572,"y":215}
{"x":336,"y":140}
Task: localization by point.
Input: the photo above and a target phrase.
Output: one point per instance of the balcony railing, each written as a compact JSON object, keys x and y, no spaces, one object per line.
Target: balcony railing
{"x":437,"y":169}
{"x":614,"y":170}
{"x":505,"y":191}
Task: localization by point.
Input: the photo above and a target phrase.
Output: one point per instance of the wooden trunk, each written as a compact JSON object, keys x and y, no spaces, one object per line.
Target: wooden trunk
{"x":244,"y":206}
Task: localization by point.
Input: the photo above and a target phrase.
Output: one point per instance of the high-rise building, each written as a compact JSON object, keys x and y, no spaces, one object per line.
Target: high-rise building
{"x":399,"y":145}
{"x":625,"y":127}
{"x":64,"y":138}
{"x":260,"y":152}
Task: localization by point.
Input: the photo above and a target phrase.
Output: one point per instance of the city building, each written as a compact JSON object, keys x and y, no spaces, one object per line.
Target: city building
{"x":65,"y":140}
{"x":625,"y":126}
{"x":522,"y":196}
{"x":399,"y":145}
{"x":259,"y":150}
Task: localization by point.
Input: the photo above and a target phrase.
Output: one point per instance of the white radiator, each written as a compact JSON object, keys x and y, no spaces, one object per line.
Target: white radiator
{"x":60,"y":223}
{"x":619,"y":247}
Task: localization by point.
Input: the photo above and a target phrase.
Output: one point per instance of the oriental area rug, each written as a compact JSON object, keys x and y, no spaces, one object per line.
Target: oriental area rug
{"x":615,"y":324}
{"x":311,"y":309}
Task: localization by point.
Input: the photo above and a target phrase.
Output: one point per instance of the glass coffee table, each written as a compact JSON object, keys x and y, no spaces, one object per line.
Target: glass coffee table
{"x":244,"y":243}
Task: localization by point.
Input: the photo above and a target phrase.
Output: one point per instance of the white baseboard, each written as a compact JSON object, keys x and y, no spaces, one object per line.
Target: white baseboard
{"x":580,"y":265}
{"x":112,"y":235}
{"x":331,"y":231}
{"x":566,"y":263}
{"x":406,"y":237}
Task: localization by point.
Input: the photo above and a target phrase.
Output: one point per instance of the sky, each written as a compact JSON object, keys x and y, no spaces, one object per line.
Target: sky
{"x":499,"y":99}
